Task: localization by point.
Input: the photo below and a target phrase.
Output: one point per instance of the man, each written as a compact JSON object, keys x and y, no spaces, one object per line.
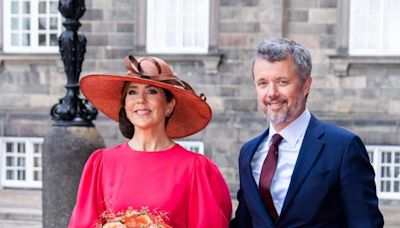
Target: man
{"x":300,"y":172}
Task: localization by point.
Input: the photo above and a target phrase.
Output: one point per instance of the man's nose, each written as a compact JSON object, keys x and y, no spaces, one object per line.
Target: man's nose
{"x":272,"y":90}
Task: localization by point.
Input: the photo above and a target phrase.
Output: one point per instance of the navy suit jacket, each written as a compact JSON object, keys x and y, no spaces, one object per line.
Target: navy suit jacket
{"x":332,"y":184}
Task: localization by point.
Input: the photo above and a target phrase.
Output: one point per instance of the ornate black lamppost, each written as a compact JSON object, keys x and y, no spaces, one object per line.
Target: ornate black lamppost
{"x":73,"y":136}
{"x":72,"y":110}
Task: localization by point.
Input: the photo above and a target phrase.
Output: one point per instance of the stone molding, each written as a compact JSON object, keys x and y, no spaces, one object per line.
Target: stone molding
{"x":341,"y":64}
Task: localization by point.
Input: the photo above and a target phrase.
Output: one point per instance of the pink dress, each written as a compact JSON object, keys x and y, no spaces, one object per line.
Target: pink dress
{"x":185,"y":185}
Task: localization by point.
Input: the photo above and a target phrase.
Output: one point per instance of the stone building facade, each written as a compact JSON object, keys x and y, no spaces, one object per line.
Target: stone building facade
{"x":356,"y":92}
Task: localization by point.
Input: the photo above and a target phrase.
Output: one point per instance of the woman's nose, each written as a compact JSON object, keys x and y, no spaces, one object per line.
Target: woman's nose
{"x":140,"y":97}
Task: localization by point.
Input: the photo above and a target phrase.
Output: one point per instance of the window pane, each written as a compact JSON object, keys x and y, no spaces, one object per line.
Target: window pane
{"x":199,"y":40}
{"x":21,"y":146}
{"x":14,"y":42}
{"x":37,"y":162}
{"x":21,"y":174}
{"x":42,"y":39}
{"x":53,"y":40}
{"x":53,"y":23}
{"x":188,"y":7}
{"x":10,"y":161}
{"x":9,"y":147}
{"x":9,"y":175}
{"x":42,"y":7}
{"x":26,"y":24}
{"x":385,"y":186}
{"x":386,"y":157}
{"x":21,"y":162}
{"x":371,"y":156}
{"x":397,"y":172}
{"x":14,"y":7}
{"x":187,"y":40}
{"x":385,"y":171}
{"x":37,"y":176}
{"x":14,"y":23}
{"x":37,"y":148}
{"x":54,"y":7}
{"x":170,"y":39}
{"x":397,"y":158}
{"x":26,"y":42}
{"x":26,"y":8}
{"x":42,"y":23}
{"x":396,"y":186}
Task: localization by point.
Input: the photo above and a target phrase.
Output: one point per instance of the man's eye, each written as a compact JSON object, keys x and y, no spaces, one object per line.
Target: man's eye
{"x":261,"y":84}
{"x":283,"y":82}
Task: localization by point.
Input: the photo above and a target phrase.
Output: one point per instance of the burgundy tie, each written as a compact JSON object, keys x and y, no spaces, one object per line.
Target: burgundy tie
{"x":267,"y":172}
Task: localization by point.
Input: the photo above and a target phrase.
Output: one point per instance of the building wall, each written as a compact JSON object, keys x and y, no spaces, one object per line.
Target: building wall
{"x":363,"y":98}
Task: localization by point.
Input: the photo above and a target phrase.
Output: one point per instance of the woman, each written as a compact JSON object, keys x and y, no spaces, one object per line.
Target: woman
{"x":151,"y":170}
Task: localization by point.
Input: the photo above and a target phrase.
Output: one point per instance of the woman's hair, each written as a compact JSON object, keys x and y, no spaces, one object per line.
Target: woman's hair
{"x":125,"y":126}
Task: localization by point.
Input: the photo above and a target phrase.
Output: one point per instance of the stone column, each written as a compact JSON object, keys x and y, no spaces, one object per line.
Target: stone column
{"x":65,"y":151}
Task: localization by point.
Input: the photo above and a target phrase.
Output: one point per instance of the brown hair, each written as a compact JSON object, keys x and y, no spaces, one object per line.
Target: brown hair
{"x":126,"y":127}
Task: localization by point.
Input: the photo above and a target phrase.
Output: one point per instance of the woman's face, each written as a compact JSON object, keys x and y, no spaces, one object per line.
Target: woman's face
{"x":146,"y":106}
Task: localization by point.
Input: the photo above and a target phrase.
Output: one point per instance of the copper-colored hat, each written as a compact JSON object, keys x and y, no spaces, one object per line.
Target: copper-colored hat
{"x":191,"y":113}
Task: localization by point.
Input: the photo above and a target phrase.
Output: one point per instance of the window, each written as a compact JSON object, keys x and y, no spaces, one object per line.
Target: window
{"x":194,"y":146}
{"x":374,"y":27}
{"x":386,"y":162}
{"x":31,"y":26}
{"x":177,"y":26}
{"x":21,"y":162}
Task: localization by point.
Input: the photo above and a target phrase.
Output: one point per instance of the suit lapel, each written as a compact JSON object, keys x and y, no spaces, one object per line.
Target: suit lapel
{"x":252,"y":191}
{"x":309,"y":152}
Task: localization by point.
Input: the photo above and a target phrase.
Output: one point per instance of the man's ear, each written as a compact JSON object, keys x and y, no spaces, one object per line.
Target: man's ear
{"x":307,"y":86}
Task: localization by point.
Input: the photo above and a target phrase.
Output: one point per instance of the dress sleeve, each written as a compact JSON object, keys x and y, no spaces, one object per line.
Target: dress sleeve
{"x":209,"y":198}
{"x":89,"y":202}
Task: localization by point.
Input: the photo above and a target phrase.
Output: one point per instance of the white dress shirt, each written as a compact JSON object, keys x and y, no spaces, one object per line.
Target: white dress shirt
{"x":289,"y":148}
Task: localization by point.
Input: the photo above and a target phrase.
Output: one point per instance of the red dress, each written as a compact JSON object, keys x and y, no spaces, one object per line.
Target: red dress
{"x":185,"y":185}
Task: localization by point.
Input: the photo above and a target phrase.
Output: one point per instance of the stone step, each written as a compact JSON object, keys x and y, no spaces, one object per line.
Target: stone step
{"x":23,"y":214}
{"x":20,"y":224}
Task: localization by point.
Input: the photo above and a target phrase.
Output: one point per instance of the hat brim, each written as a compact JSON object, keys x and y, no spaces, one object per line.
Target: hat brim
{"x":191,"y":113}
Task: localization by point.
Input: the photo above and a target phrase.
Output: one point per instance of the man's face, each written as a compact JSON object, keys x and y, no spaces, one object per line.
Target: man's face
{"x":281,"y":93}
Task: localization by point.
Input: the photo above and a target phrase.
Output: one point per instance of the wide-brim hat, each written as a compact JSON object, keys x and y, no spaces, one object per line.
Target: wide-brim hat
{"x":104,"y":91}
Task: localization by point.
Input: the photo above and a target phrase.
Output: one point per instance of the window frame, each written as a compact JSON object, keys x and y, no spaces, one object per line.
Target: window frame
{"x":341,"y":61}
{"x":34,"y":31}
{"x":381,"y":50}
{"x":141,"y":30}
{"x":193,"y":146}
{"x":179,"y":48}
{"x":376,"y":152}
{"x":29,"y":168}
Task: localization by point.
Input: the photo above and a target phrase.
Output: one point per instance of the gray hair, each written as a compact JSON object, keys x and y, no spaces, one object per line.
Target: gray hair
{"x":280,"y":49}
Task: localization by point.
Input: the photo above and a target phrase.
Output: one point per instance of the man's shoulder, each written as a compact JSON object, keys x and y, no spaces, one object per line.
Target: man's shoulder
{"x":332,"y":129}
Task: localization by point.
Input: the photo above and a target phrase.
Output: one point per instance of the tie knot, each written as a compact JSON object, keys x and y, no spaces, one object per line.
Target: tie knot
{"x":276,"y":139}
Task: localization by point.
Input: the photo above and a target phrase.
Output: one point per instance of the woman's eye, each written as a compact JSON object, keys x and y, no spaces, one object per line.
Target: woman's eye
{"x":131,"y":92}
{"x":152,"y":91}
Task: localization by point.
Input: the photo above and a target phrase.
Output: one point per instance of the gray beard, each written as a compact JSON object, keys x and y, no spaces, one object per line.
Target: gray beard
{"x":282,"y":117}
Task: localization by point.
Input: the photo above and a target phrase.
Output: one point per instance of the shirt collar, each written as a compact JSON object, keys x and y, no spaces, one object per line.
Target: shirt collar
{"x":293,"y":132}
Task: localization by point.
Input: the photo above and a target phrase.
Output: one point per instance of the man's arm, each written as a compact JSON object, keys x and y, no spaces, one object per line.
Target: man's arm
{"x":242,"y":215}
{"x":358,"y":190}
